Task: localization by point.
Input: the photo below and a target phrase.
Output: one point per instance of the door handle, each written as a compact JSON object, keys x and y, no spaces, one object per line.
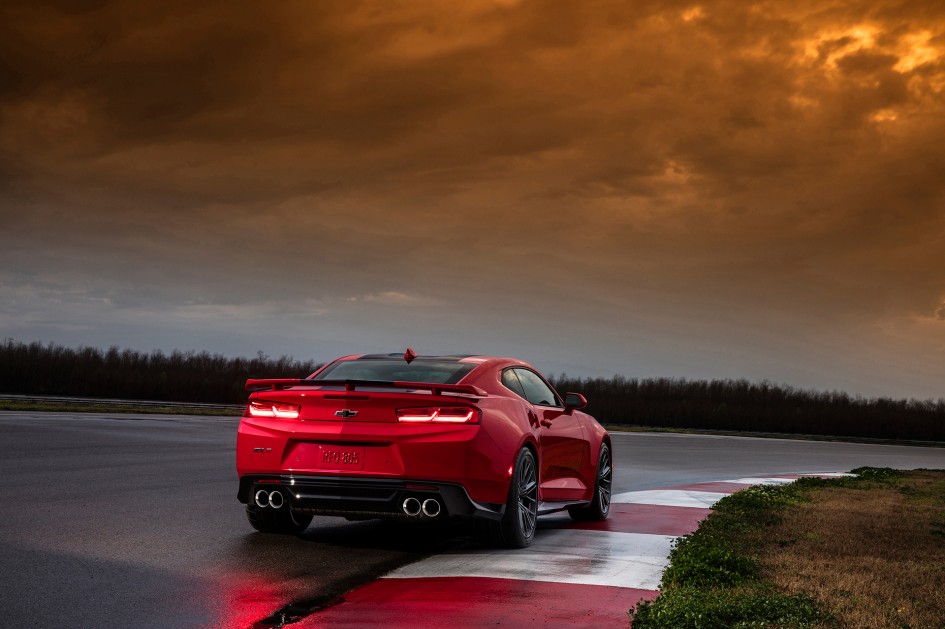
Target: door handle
{"x":546,"y":423}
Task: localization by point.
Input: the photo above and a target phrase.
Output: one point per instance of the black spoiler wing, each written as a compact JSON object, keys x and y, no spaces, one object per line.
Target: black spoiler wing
{"x":279,"y":384}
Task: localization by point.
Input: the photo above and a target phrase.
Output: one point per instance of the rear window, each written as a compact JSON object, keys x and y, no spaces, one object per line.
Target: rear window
{"x":431,"y":371}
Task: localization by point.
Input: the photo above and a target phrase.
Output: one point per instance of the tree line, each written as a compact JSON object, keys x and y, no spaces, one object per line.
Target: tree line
{"x":50,"y":369}
{"x":755,"y":406}
{"x":38,"y":369}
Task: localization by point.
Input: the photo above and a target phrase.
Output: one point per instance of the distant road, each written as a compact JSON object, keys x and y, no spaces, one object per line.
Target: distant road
{"x":122,"y":520}
{"x":91,"y":401}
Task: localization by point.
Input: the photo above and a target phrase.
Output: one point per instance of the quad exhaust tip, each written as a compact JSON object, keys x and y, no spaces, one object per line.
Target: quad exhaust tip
{"x":431,"y":508}
{"x":412,"y":507}
{"x":273,"y":499}
{"x":262,"y":498}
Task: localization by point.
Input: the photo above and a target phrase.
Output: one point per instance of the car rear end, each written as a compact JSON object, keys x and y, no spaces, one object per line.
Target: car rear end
{"x":362,"y":438}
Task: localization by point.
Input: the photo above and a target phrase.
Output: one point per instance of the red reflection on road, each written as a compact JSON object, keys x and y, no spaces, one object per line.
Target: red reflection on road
{"x":243,"y":600}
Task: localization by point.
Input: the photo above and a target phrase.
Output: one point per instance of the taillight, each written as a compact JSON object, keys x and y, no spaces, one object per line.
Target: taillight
{"x":447,"y":414}
{"x":281,"y":410}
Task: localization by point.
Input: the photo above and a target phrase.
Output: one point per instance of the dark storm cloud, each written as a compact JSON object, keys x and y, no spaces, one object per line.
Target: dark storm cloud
{"x":770,"y":166}
{"x":143,"y":70}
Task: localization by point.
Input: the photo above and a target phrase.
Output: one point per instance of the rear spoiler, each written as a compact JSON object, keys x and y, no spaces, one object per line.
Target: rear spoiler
{"x":279,"y":384}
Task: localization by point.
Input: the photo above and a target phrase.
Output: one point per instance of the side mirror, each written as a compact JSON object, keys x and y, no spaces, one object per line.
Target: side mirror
{"x":574,"y":400}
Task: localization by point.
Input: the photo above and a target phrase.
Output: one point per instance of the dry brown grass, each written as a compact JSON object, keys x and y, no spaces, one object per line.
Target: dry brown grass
{"x":875,"y":558}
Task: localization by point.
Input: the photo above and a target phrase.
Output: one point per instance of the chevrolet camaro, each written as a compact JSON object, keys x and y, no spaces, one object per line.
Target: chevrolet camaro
{"x":421,"y":438}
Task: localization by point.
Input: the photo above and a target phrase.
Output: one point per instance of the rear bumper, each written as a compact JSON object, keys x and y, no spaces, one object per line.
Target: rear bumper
{"x":458,"y":454}
{"x":365,"y":497}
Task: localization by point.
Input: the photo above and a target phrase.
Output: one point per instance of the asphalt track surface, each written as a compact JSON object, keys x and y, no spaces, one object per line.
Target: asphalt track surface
{"x":113,"y":520}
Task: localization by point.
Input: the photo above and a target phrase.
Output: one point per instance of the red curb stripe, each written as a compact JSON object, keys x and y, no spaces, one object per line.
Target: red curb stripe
{"x":470,"y":602}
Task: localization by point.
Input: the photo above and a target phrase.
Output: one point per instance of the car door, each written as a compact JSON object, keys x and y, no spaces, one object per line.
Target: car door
{"x":564,"y":449}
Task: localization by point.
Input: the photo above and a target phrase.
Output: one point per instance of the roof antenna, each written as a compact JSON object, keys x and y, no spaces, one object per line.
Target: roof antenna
{"x":409,"y":355}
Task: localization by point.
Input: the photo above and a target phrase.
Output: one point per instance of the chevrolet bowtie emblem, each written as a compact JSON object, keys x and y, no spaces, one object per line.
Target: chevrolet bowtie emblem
{"x":346,"y":413}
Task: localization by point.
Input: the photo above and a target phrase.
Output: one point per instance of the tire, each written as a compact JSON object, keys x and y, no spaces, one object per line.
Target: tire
{"x":599,"y":508}
{"x":517,"y":527}
{"x":280,"y":521}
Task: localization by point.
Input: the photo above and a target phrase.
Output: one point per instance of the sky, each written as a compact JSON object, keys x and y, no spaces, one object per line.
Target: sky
{"x":723,"y":189}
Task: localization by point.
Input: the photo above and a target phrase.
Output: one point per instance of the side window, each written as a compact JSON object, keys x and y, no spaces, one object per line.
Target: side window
{"x":536,"y":391}
{"x":510,"y":380}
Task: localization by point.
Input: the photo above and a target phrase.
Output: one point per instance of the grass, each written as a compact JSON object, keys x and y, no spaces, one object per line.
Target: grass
{"x":95,"y":407}
{"x":865,"y":551}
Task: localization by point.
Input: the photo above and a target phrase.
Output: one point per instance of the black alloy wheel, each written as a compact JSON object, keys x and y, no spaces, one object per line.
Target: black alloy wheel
{"x":517,"y":527}
{"x":599,"y":508}
{"x":527,"y":496}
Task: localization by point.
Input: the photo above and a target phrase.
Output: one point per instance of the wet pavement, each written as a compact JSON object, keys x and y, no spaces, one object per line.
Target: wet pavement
{"x":132,"y":520}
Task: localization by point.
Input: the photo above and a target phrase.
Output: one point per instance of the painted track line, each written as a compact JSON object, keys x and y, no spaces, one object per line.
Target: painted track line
{"x":575,"y":574}
{"x":671,"y":497}
{"x":629,"y":560}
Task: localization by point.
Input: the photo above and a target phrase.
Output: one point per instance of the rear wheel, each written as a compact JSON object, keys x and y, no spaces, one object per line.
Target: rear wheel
{"x":517,"y":527}
{"x":271,"y":520}
{"x":599,"y":508}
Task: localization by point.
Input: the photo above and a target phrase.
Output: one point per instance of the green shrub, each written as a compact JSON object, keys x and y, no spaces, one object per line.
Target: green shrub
{"x":697,"y":562}
{"x":693,"y":608}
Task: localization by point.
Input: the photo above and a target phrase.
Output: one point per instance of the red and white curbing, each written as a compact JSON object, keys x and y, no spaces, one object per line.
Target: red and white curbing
{"x":577,"y":575}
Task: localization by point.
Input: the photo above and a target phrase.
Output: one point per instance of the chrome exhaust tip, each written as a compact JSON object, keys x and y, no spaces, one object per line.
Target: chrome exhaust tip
{"x":262,"y":498}
{"x":431,"y":508}
{"x":412,"y":507}
{"x":276,"y":499}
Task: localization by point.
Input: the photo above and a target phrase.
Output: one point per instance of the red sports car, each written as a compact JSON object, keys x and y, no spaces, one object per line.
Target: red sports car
{"x":421,"y":437}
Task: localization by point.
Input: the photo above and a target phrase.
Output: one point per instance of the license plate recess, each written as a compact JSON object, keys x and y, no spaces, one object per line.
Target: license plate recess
{"x":339,"y":457}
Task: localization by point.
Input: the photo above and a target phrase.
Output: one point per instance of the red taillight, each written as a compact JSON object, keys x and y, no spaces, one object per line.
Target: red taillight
{"x":281,"y":410}
{"x":447,"y":414}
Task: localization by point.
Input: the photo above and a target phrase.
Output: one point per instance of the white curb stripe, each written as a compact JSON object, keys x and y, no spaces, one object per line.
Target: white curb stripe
{"x":670,"y":498}
{"x":630,"y":560}
{"x":768,"y":480}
